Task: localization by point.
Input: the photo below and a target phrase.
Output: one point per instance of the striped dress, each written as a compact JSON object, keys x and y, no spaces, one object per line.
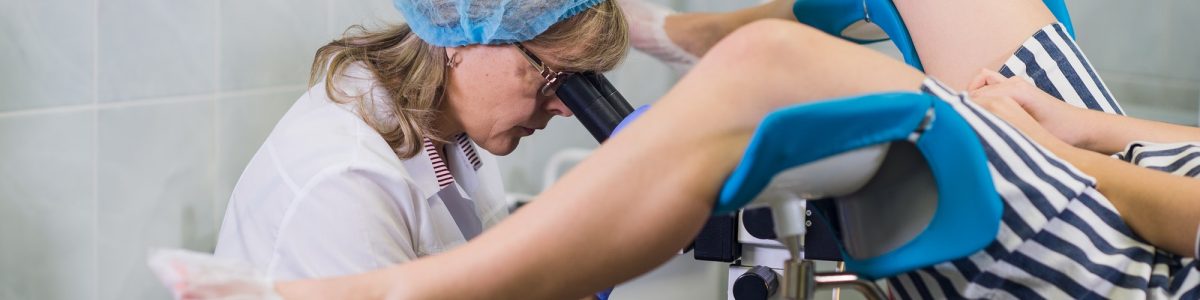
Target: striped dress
{"x":1059,"y":238}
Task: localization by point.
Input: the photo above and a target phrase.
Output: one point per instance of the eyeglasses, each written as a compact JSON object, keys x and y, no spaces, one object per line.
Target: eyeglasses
{"x":553,"y":79}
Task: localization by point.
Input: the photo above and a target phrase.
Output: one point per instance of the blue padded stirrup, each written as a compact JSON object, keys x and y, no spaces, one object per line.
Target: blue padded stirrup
{"x":967,"y":211}
{"x":1059,"y":9}
{"x":835,"y":16}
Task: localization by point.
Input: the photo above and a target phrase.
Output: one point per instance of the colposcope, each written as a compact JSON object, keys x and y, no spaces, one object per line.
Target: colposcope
{"x":595,"y":103}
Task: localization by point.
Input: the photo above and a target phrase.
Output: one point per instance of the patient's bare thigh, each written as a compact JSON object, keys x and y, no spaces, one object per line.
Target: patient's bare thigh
{"x":956,"y":38}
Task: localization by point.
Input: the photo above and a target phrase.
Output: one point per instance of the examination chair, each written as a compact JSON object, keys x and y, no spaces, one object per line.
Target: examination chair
{"x":893,"y":210}
{"x":907,"y":174}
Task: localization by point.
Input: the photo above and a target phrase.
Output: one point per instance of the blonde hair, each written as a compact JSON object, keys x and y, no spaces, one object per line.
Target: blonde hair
{"x":414,"y":72}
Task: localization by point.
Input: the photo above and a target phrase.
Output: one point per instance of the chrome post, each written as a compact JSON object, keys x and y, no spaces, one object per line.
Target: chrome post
{"x":798,"y":279}
{"x":849,"y":280}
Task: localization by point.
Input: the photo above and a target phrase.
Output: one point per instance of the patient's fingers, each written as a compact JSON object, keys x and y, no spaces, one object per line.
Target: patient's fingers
{"x":1010,"y":111}
{"x":984,"y":78}
{"x":979,"y":81}
{"x":995,"y":90}
{"x":995,"y":85}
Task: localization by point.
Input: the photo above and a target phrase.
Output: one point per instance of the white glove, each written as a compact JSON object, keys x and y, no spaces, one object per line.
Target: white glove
{"x":646,"y":34}
{"x":201,"y":276}
{"x":1198,"y":243}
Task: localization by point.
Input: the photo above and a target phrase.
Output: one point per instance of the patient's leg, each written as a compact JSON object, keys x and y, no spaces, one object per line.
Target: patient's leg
{"x":772,"y":63}
{"x":653,"y":185}
{"x":955,"y":39}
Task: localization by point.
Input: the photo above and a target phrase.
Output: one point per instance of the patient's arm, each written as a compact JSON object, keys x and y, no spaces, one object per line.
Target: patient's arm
{"x":647,"y":191}
{"x":1109,"y":133}
{"x":1160,"y":207}
{"x":1093,"y":130}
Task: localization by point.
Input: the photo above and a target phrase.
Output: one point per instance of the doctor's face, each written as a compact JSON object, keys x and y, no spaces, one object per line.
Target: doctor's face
{"x":494,"y":94}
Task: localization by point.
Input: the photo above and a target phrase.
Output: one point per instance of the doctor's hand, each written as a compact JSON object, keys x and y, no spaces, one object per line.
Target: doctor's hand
{"x":200,"y":276}
{"x":1066,"y":122}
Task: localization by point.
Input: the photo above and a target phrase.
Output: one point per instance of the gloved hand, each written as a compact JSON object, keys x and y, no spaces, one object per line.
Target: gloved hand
{"x":637,"y":113}
{"x":603,"y":295}
{"x":646,"y":33}
{"x":194,"y":275}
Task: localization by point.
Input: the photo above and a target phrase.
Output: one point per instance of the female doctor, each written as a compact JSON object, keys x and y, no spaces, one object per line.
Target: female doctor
{"x":378,"y":163}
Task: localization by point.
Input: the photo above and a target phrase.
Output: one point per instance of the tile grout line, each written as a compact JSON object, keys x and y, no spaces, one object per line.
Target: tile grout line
{"x":96,"y":145}
{"x":217,"y":177}
{"x":149,"y":101}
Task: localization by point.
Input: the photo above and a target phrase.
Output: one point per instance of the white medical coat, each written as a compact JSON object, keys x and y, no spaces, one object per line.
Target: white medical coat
{"x":325,"y":195}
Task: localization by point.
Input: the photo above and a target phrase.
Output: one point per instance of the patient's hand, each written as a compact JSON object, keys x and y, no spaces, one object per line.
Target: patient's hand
{"x":1012,"y":112}
{"x":1059,"y":118}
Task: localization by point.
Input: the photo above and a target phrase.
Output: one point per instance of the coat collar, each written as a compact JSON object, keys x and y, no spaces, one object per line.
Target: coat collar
{"x":432,"y":173}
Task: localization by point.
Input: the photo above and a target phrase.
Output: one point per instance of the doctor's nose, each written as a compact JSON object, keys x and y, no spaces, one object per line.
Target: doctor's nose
{"x":556,"y":107}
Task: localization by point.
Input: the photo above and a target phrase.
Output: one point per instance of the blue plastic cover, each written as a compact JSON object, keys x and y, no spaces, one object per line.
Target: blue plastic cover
{"x":629,"y":119}
{"x":1059,"y":9}
{"x":789,"y":137}
{"x":833,"y":16}
{"x":968,"y":209}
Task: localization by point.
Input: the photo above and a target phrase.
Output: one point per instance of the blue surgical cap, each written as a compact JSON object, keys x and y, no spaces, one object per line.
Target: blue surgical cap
{"x":450,"y":23}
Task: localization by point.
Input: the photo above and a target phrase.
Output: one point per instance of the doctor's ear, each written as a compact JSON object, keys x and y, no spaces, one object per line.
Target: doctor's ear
{"x":452,"y":57}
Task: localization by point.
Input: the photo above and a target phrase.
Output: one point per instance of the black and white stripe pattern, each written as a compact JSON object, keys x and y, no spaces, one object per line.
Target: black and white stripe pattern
{"x":1181,"y":159}
{"x":1059,"y":237}
{"x":440,"y":169}
{"x":1052,"y":61}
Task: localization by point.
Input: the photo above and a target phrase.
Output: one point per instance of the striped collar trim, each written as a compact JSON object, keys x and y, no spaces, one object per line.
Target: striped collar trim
{"x":441,"y":170}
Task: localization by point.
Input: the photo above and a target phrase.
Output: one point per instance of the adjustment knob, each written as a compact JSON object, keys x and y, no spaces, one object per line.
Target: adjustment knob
{"x":759,"y":283}
{"x":758,"y":223}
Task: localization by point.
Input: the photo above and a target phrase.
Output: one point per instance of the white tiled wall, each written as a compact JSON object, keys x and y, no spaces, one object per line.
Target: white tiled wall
{"x":125,"y":123}
{"x":1148,"y":53}
{"x":262,"y":41}
{"x":47,"y":206}
{"x":154,"y":189}
{"x":47,"y":53}
{"x":149,"y":49}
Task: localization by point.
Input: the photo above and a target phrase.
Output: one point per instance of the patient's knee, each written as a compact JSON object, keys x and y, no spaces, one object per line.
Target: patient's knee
{"x":767,"y":40}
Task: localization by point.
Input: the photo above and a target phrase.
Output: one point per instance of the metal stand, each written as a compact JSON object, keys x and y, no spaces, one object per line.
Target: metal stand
{"x":801,"y":281}
{"x":837,"y":292}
